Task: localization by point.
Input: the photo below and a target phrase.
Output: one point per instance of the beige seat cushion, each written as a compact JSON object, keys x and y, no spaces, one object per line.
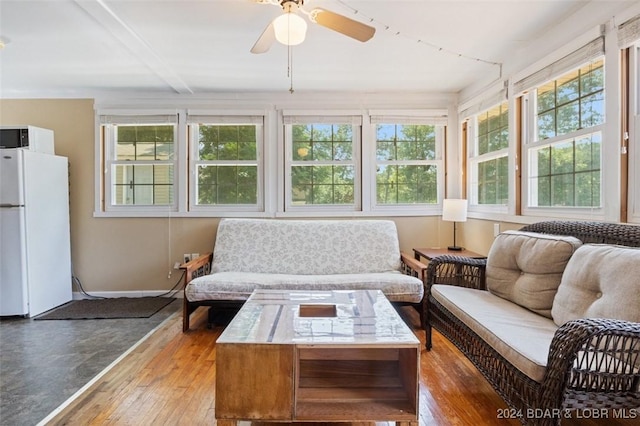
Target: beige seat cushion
{"x":600,"y":281}
{"x":522,"y":337}
{"x":526,"y":267}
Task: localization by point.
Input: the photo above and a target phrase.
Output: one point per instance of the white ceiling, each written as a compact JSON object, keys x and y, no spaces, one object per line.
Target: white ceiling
{"x":80,"y":47}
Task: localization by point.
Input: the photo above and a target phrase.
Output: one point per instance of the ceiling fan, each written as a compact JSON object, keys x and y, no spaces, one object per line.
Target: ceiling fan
{"x":290,"y":28}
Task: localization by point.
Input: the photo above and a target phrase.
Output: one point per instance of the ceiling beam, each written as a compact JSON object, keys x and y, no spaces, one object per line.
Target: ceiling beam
{"x":133,"y":42}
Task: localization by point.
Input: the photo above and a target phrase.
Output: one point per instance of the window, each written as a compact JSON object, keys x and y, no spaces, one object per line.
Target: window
{"x":406,"y":164}
{"x":226,"y":165}
{"x":489,"y":179}
{"x":140,"y":157}
{"x":322,"y":162}
{"x":565,"y":172}
{"x":564,"y":110}
{"x":237,"y":163}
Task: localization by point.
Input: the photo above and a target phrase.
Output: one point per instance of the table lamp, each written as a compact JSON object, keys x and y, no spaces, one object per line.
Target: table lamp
{"x":454,"y":210}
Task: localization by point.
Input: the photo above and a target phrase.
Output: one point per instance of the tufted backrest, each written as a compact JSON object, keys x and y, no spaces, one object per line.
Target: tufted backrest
{"x":526,"y":267}
{"x":600,"y":281}
{"x":313,"y":247}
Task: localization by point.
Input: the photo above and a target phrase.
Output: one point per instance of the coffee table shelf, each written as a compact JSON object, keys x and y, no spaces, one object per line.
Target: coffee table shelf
{"x":359,"y":365}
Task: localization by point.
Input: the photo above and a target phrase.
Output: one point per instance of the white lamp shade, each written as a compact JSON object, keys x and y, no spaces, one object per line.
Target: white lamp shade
{"x":454,"y":210}
{"x":290,"y":29}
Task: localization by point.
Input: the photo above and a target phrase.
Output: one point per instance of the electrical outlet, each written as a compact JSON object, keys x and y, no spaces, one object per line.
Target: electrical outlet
{"x":496,"y":229}
{"x":195,"y":256}
{"x":176,"y":265}
{"x":186,"y":257}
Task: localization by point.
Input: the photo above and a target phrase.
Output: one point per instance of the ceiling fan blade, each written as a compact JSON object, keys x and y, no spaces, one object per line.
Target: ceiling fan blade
{"x":342,"y":24}
{"x":265,"y":40}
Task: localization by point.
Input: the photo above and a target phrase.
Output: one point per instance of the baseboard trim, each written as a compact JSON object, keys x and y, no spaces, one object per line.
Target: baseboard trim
{"x":177,"y":294}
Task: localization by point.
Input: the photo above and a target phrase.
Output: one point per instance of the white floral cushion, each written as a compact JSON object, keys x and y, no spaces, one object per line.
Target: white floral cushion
{"x":313,"y":247}
{"x":396,"y":286}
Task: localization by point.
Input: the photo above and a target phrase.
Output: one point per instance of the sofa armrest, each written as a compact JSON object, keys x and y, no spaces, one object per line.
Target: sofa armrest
{"x":411,"y":266}
{"x":456,"y":270}
{"x":197,"y":267}
{"x":597,"y":357}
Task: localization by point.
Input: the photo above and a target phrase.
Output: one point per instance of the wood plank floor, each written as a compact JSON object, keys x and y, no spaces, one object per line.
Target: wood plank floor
{"x":169,"y":379}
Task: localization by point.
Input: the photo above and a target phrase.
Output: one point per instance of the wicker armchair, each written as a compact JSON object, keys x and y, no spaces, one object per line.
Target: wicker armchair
{"x":589,"y":359}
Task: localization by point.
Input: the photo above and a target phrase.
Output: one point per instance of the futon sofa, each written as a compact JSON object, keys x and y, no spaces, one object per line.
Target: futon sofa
{"x":551,"y":318}
{"x":254,"y":254}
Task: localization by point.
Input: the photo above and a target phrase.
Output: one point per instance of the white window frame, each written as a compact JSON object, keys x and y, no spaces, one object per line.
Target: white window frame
{"x":194,"y":119}
{"x":437,"y":118}
{"x":526,"y":88}
{"x":291,"y":118}
{"x":474,"y":158}
{"x":106,"y":127}
{"x":632,"y":148}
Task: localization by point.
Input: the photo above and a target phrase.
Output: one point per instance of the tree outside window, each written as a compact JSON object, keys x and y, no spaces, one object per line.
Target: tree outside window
{"x":566,"y":171}
{"x":490,"y":179}
{"x":406,"y":169}
{"x":226,"y":164}
{"x":322,"y":164}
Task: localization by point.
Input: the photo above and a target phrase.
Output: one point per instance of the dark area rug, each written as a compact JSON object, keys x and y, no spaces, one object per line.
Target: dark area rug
{"x":112,"y":308}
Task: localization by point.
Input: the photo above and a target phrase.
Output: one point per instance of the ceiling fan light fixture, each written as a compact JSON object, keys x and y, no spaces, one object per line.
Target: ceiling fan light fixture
{"x":290,"y":29}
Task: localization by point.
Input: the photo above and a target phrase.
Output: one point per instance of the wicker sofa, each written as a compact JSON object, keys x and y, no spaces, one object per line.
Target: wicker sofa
{"x":254,"y":254}
{"x":551,"y":318}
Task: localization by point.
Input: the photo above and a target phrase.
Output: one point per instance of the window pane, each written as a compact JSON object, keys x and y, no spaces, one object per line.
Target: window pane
{"x":546,"y":97}
{"x":483,"y":144}
{"x":568,"y":88}
{"x":588,"y":189}
{"x":562,"y":190}
{"x":322,"y":151}
{"x":573,"y":101}
{"x":592,"y":78}
{"x":227,"y":142}
{"x":547,"y":125}
{"x":544,"y":191}
{"x":544,"y":161}
{"x":562,"y":158}
{"x":142,"y":184}
{"x":222,"y":181}
{"x":323,"y":185}
{"x":144,"y":142}
{"x":503,"y":180}
{"x":592,"y":108}
{"x":568,"y":173}
{"x":568,"y":119}
{"x":407,"y":184}
{"x":401,"y":183}
{"x":493,"y":129}
{"x":331,"y":184}
{"x":227,"y":184}
{"x":493,"y":187}
{"x":386,"y":151}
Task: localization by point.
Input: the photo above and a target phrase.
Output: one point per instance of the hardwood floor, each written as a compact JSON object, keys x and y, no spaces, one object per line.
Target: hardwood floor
{"x":169,"y":379}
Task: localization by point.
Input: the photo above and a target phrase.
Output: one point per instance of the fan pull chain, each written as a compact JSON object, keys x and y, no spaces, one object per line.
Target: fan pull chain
{"x":290,"y":67}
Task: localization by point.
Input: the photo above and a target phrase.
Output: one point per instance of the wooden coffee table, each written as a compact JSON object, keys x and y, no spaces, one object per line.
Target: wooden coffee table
{"x":323,"y":356}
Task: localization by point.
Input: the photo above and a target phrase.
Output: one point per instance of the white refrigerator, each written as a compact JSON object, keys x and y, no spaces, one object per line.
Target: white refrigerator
{"x":35,"y":249}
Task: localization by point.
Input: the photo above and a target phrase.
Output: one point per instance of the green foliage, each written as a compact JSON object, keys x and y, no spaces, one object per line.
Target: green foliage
{"x":568,"y":173}
{"x":571,"y":102}
{"x":326,"y":184}
{"x":398,"y":182}
{"x":221,"y":179}
{"x":493,"y":181}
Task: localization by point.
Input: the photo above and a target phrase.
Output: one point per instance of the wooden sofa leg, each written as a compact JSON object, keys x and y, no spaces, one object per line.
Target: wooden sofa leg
{"x":185,"y":315}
